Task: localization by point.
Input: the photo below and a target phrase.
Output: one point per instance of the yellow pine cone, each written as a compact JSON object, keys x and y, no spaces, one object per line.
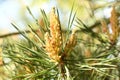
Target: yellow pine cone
{"x":70,"y":44}
{"x":104,"y":27}
{"x":53,"y":41}
{"x":114,"y":25}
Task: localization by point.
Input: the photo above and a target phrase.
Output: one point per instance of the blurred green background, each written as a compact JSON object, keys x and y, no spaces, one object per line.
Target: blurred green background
{"x":15,"y":10}
{"x":89,"y":11}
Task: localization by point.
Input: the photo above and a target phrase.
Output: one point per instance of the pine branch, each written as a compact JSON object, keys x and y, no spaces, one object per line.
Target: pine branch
{"x":28,"y":31}
{"x":14,"y":33}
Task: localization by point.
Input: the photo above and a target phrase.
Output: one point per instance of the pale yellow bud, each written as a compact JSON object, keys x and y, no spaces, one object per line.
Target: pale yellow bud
{"x":54,"y":41}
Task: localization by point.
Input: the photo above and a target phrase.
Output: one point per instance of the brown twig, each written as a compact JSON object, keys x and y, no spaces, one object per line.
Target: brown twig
{"x":14,"y":33}
{"x":27,"y":31}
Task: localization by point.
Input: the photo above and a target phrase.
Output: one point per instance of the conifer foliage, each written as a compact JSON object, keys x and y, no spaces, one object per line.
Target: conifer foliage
{"x":56,"y":54}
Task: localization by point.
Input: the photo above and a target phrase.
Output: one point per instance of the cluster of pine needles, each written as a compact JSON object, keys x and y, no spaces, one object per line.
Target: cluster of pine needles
{"x":50,"y":53}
